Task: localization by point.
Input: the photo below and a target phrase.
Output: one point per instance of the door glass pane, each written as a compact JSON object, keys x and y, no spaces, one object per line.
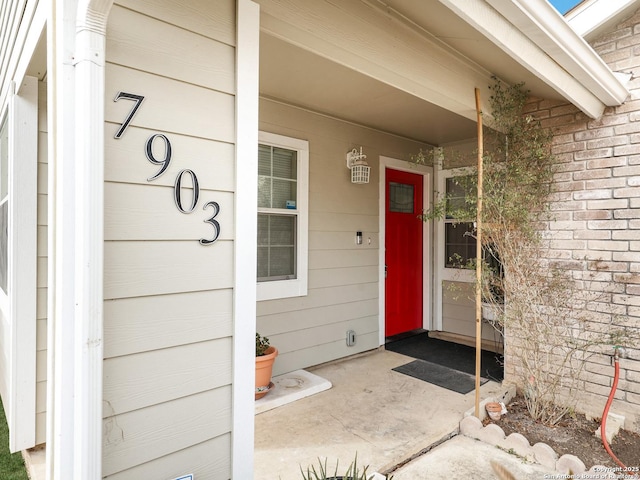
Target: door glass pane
{"x":400,"y":198}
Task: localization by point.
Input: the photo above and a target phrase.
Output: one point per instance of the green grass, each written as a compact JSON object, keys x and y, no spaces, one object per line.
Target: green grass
{"x":11,"y":465}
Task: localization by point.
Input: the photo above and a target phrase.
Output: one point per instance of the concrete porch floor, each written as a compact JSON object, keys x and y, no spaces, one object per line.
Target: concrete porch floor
{"x":384,"y":416}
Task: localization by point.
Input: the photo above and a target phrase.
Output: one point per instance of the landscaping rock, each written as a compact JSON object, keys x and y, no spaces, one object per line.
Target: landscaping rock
{"x":470,"y":426}
{"x":570,"y":464}
{"x":614,"y":423}
{"x":545,"y":455}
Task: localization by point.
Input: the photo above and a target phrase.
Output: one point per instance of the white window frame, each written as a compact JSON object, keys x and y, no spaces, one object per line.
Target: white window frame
{"x":18,"y":304}
{"x":271,"y":290}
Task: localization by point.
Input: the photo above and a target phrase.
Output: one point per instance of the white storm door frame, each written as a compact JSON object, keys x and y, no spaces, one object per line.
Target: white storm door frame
{"x":441,"y":273}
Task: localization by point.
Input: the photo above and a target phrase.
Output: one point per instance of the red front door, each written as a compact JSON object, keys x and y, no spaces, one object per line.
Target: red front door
{"x":403,"y":252}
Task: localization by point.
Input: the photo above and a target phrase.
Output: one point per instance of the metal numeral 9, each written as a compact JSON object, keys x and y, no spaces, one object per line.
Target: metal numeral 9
{"x":150,"y":156}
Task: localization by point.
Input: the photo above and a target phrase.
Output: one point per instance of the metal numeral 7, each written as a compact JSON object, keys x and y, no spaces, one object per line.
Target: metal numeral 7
{"x":128,"y":96}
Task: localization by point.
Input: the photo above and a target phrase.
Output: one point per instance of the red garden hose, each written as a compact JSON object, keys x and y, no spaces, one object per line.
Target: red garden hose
{"x":603,"y":425}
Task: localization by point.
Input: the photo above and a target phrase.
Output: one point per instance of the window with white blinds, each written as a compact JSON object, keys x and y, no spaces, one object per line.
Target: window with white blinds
{"x":282,"y":216}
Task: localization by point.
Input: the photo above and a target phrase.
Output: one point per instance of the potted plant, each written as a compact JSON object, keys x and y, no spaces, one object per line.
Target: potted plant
{"x":265,"y":356}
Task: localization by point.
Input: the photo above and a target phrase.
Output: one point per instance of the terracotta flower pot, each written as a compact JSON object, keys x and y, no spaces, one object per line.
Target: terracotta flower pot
{"x":264,"y":367}
{"x":494,"y":410}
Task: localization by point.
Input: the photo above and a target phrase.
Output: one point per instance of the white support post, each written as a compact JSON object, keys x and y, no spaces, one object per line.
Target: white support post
{"x":247,"y":62}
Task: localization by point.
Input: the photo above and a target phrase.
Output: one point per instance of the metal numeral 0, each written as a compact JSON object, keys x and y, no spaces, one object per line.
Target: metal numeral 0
{"x":150,"y":156}
{"x":177,"y":191}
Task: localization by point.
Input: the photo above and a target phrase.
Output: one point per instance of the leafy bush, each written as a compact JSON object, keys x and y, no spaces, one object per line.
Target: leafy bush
{"x":262,"y":344}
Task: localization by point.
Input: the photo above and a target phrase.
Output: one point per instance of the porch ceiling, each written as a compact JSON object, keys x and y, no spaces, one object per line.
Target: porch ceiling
{"x":410,"y":68}
{"x":304,"y":78}
{"x":298,"y":77}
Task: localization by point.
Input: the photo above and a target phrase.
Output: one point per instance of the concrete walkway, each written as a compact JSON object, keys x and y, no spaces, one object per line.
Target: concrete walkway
{"x":385,"y":417}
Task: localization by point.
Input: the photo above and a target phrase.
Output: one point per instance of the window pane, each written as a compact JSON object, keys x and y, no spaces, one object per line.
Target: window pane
{"x":283,"y":191}
{"x":264,"y":160}
{"x":400,"y":198}
{"x":460,"y":246}
{"x":263,"y":230}
{"x":281,"y":230}
{"x":282,"y":262}
{"x":284,"y":163}
{"x":277,"y":177}
{"x":276,"y":247}
{"x":264,"y":192}
{"x":263,"y":262}
{"x":4,"y":236}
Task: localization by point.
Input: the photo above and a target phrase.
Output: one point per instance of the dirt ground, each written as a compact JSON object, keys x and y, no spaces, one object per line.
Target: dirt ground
{"x":575,"y":436}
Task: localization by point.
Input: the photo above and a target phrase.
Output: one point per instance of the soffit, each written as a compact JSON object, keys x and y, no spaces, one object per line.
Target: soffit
{"x":445,"y":25}
{"x":298,"y":77}
{"x":310,"y":80}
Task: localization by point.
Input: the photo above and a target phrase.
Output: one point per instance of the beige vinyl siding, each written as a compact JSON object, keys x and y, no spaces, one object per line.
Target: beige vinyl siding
{"x":42,"y":271}
{"x":168,"y":300}
{"x":343,"y":277}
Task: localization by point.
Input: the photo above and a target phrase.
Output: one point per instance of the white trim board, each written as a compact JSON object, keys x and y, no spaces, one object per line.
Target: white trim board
{"x":19,"y":304}
{"x":244,"y":301}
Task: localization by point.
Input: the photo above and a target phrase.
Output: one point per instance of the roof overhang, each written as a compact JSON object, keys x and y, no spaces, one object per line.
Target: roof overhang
{"x":410,"y":67}
{"x":592,"y":18}
{"x":536,"y":36}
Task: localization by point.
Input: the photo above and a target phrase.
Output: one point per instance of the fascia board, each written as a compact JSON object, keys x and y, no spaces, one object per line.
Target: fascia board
{"x":545,"y":27}
{"x":590,"y":16}
{"x":494,"y":25}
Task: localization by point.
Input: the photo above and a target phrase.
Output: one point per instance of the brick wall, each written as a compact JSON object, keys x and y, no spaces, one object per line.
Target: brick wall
{"x":595,"y":233}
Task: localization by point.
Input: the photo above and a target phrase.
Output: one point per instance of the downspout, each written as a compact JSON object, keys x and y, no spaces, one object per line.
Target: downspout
{"x":89,"y":63}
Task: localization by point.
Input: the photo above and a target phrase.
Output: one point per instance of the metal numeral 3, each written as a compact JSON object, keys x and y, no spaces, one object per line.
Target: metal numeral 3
{"x":214,"y":223}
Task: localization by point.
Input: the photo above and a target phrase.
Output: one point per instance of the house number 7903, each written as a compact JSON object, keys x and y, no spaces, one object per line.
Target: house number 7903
{"x":164,"y":163}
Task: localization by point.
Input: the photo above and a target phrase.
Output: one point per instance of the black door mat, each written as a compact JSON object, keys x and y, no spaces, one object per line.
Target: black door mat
{"x":452,"y":355}
{"x":444,"y":377}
